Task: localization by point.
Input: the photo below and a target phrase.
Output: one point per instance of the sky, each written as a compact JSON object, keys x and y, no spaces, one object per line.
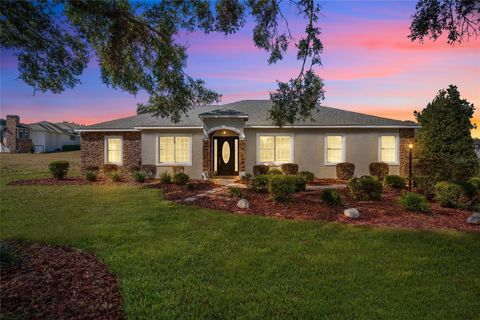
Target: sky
{"x":369,"y":66}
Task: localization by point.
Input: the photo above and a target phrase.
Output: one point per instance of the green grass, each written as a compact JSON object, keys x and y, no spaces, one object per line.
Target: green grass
{"x":176,"y":261}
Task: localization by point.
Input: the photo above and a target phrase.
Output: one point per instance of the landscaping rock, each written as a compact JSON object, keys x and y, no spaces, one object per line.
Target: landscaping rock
{"x":474,"y":218}
{"x":243,"y":204}
{"x":190,"y":199}
{"x":351,"y":213}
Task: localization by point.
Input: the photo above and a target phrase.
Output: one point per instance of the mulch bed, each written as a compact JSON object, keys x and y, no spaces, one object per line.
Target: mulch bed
{"x":52,"y":282}
{"x":327,"y":182}
{"x":307,"y":206}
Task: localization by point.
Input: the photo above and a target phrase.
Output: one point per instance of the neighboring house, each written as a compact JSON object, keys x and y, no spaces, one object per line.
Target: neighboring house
{"x":476,"y":145}
{"x":42,"y":136}
{"x":232,"y":138}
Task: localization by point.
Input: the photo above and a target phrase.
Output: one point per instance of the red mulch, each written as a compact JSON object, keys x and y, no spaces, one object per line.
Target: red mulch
{"x":327,"y":182}
{"x":52,"y":282}
{"x":307,"y":206}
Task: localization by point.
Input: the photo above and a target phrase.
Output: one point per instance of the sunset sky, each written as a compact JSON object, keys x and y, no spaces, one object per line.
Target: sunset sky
{"x":369,"y":65}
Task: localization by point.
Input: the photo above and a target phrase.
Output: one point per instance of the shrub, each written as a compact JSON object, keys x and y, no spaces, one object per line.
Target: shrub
{"x":150,"y":170}
{"x":281,"y":187}
{"x":289,"y":168}
{"x":475,"y":181}
{"x":365,"y":188}
{"x":115,"y":176}
{"x":394,"y":181}
{"x":331,"y":197}
{"x":139,"y":176}
{"x":109,"y":167}
{"x":307,"y":175}
{"x":426,"y":185}
{"x":91,"y":175}
{"x":180,"y":178}
{"x":70,"y":147}
{"x":235,"y":192}
{"x":260,"y":183}
{"x":165,"y":177}
{"x":59,"y":169}
{"x":345,"y":170}
{"x":274,"y":171}
{"x":260,"y":169}
{"x":452,"y":195}
{"x":414,"y":202}
{"x":246,"y":177}
{"x":300,"y":183}
{"x":378,"y":169}
{"x":189,"y":186}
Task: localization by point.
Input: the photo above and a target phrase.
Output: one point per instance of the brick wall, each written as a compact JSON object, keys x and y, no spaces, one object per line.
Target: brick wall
{"x":406,"y":137}
{"x":241,"y":154}
{"x":206,"y":155}
{"x":92,"y":146}
{"x":11,"y":134}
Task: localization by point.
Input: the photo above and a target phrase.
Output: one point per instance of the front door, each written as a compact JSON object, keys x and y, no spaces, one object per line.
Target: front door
{"x":225,"y":155}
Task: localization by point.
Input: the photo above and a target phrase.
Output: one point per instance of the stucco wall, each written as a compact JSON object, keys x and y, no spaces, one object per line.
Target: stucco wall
{"x":149,"y":150}
{"x":362,"y":148}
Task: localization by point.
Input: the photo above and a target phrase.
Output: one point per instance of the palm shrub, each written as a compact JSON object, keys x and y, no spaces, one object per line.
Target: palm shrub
{"x":115,"y":176}
{"x":260,"y":169}
{"x":165,"y":177}
{"x":394,"y":181}
{"x":365,"y":188}
{"x":345,"y":170}
{"x":139,"y":176}
{"x":414,"y":202}
{"x":289,"y":168}
{"x":91,"y":175}
{"x":235,"y":192}
{"x":378,"y":169}
{"x":281,"y":187}
{"x":150,"y":170}
{"x":260,"y":183}
{"x":300,"y":183}
{"x":59,"y":169}
{"x":307,"y":175}
{"x":180,"y":178}
{"x":331,"y":197}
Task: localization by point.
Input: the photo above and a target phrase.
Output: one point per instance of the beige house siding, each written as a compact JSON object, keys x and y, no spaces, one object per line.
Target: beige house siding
{"x":149,"y":150}
{"x":362,"y":148}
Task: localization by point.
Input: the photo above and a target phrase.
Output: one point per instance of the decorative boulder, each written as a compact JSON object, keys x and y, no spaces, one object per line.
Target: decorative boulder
{"x":351,"y":213}
{"x":243,"y":204}
{"x":474,"y":218}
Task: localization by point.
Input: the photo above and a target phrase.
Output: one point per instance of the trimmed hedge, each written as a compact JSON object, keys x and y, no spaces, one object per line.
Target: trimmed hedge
{"x":281,"y":187}
{"x":365,"y":188}
{"x":345,"y":170}
{"x":307,"y":175}
{"x":180,"y":178}
{"x":453,"y":195}
{"x":59,"y":169}
{"x":289,"y":168}
{"x":260,"y":169}
{"x":414,"y":202}
{"x":394,"y":181}
{"x":274,"y":171}
{"x":71,"y":147}
{"x":150,"y":170}
{"x":378,"y":169}
{"x":300,"y":183}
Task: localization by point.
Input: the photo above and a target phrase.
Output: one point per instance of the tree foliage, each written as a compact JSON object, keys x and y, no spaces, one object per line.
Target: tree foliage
{"x":459,"y":18}
{"x":445,"y":140}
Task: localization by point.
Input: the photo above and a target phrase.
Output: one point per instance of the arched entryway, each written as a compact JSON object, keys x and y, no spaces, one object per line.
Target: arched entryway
{"x":225,"y":155}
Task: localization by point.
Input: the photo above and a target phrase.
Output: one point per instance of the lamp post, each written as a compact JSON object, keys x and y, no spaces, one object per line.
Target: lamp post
{"x":410,"y":148}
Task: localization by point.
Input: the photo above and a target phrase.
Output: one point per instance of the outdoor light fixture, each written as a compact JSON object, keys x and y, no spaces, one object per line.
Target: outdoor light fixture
{"x":410,"y":147}
{"x":224,"y":132}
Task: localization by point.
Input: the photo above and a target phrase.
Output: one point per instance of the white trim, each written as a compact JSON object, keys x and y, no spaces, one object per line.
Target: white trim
{"x":325,"y":148}
{"x":223,"y":116}
{"x":172,"y":164}
{"x":275,"y":163}
{"x":239,"y":131}
{"x":166,"y":128}
{"x":332,"y":127}
{"x":397,"y":148}
{"x":105,"y":149}
{"x":104,"y":130}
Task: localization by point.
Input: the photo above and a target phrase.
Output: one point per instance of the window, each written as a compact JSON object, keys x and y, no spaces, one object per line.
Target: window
{"x":27,"y":134}
{"x":20,"y":134}
{"x":113,"y":150}
{"x":174,"y":149}
{"x":388,"y":149}
{"x":72,"y":137}
{"x":275,"y":148}
{"x":334,"y":149}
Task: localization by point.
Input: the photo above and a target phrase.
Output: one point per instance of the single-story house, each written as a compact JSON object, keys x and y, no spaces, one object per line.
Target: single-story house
{"x":230,"y":139}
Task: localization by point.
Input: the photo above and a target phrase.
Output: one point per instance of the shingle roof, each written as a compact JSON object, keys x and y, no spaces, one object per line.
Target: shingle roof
{"x":257,"y":111}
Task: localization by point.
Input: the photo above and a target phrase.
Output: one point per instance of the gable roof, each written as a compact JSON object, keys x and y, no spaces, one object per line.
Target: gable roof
{"x":59,"y":128}
{"x":257,"y":113}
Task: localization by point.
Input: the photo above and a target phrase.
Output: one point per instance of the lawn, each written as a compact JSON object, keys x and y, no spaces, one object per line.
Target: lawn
{"x":175,"y":261}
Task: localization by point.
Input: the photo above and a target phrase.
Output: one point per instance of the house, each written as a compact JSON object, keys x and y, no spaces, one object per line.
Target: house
{"x":41,"y":136}
{"x":476,"y":145}
{"x":230,"y":139}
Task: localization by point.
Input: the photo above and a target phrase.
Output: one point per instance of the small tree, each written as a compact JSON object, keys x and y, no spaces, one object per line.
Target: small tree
{"x":445,"y":138}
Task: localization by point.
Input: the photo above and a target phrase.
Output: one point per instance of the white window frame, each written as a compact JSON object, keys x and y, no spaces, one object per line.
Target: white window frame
{"x":325,"y":148}
{"x":172,"y":164}
{"x":292,"y":147}
{"x":105,"y":145}
{"x":397,"y":148}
